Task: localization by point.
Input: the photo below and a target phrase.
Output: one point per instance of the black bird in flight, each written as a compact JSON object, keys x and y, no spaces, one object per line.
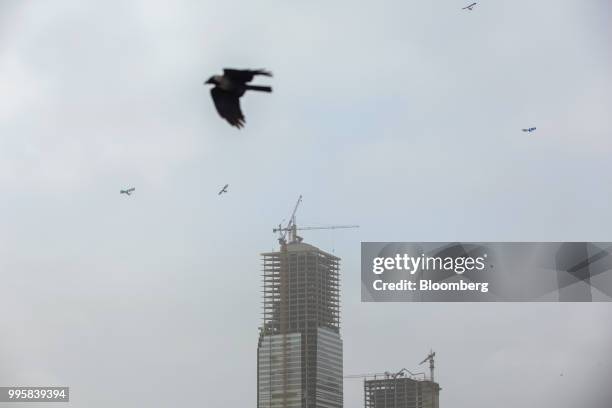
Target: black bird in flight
{"x":224,"y":189}
{"x":470,"y":7}
{"x":229,"y":88}
{"x":531,"y":129}
{"x":129,"y":191}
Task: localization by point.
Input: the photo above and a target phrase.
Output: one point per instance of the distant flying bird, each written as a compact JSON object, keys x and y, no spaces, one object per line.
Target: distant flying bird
{"x":531,"y":129}
{"x":224,"y":189}
{"x":470,"y":7}
{"x":229,"y":88}
{"x":129,"y":191}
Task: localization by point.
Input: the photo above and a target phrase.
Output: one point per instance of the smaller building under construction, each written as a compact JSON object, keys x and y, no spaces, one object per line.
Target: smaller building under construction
{"x":400,"y":391}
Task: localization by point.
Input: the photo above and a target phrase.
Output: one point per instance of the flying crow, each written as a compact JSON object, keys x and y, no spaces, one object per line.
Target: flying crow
{"x":224,"y":189}
{"x":531,"y":129}
{"x":470,"y":7}
{"x":229,"y":88}
{"x":129,"y":191}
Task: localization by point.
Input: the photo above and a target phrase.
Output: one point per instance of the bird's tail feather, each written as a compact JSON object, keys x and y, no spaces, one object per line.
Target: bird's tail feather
{"x":259,"y":88}
{"x":264,"y":72}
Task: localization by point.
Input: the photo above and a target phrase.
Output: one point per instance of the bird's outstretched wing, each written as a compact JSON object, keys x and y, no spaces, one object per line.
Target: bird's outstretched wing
{"x":244,"y":75}
{"x":228,"y":106}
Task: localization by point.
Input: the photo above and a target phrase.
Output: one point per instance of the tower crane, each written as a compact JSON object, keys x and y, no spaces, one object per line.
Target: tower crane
{"x":291,"y":228}
{"x":282,"y":231}
{"x":430,"y":358}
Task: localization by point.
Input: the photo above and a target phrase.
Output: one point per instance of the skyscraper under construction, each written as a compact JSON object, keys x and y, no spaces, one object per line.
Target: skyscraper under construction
{"x":299,"y":354}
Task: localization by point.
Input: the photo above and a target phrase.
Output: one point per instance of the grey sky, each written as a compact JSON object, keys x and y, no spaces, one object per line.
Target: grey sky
{"x":401,"y":116}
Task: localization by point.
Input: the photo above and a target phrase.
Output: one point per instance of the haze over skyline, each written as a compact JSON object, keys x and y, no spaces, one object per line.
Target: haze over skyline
{"x":402,"y":117}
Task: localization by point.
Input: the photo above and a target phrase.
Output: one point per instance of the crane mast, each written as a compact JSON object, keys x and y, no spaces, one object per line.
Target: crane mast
{"x":290,"y":228}
{"x":430,"y":358}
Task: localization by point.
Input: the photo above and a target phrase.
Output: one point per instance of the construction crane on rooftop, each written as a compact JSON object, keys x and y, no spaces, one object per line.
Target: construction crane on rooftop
{"x":365,"y":375}
{"x":401,"y":373}
{"x":430,"y":358}
{"x":291,"y":228}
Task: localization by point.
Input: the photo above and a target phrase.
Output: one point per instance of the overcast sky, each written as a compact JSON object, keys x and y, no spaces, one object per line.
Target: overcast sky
{"x":403,"y":117}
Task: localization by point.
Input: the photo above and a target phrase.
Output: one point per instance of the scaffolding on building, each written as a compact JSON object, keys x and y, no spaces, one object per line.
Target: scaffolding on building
{"x":400,"y":392}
